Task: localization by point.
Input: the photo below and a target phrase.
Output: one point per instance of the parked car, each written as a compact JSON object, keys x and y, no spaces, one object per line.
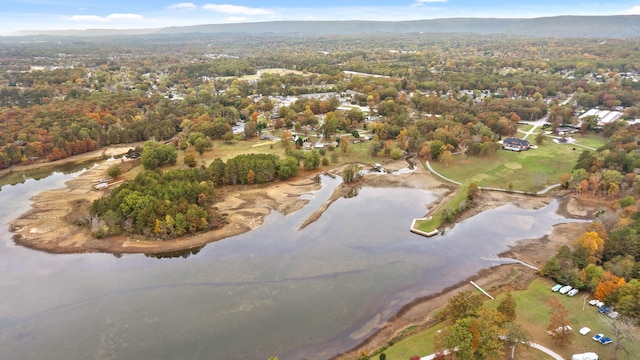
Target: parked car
{"x":585,"y":356}
{"x":604,"y":310}
{"x":606,"y":340}
{"x":585,"y":330}
{"x":597,"y":337}
{"x":594,"y":302}
{"x":556,"y":287}
{"x":599,"y":304}
{"x":573,"y":292}
{"x":613,"y":315}
{"x":565,"y":289}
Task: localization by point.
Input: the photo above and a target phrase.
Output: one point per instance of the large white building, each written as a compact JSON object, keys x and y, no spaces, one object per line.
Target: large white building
{"x":604,"y":116}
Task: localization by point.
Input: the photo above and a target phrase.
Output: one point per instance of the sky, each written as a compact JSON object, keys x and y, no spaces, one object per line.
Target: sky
{"x":18,"y":15}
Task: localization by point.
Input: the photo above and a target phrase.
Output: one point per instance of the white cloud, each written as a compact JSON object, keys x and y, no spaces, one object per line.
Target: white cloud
{"x":182,"y":6}
{"x":108,"y":18}
{"x":236,"y":9}
{"x":86,"y":18}
{"x":633,"y":11}
{"x":124,"y":17}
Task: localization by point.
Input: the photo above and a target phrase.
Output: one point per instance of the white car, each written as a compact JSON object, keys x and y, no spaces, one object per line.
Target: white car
{"x":585,"y":330}
{"x":573,"y":292}
{"x":594,"y":302}
{"x":565,"y":289}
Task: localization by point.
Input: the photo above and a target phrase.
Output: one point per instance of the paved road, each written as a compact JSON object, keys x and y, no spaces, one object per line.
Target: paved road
{"x":545,"y":350}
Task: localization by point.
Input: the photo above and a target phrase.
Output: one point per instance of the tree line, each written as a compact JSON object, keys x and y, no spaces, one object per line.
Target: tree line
{"x":175,"y":203}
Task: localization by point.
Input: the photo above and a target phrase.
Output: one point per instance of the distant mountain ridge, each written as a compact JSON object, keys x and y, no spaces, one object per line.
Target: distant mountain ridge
{"x":616,"y":26}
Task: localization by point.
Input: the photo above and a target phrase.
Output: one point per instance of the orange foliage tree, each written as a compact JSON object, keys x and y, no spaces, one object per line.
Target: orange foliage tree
{"x":608,"y":285}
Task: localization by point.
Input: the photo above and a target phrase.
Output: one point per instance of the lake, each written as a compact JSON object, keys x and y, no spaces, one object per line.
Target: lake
{"x":274,"y":291}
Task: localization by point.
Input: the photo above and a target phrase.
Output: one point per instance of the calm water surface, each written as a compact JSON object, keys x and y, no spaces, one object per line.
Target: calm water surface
{"x":276,"y":290}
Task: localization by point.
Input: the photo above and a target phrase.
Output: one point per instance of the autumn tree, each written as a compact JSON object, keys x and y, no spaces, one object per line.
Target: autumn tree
{"x":286,"y":139}
{"x":345,"y":145}
{"x":251,"y":177}
{"x":606,"y":290}
{"x":473,"y":337}
{"x":564,"y":180}
{"x":507,"y":308}
{"x":446,"y":156}
{"x":462,"y":305}
{"x":593,"y":244}
{"x":559,"y":324}
{"x":486,"y":331}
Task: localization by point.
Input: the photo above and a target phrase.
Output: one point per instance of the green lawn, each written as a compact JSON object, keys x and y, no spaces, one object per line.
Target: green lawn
{"x":590,"y":140}
{"x":530,"y":170}
{"x":420,"y":344}
{"x":438,"y":218}
{"x":526,"y":127}
{"x":533,"y":313}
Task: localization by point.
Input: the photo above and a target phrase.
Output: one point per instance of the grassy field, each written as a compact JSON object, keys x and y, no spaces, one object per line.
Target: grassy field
{"x":437,"y":218}
{"x":532,"y":310}
{"x":590,"y":140}
{"x":526,"y":127}
{"x":530,"y":170}
{"x":533,"y":313}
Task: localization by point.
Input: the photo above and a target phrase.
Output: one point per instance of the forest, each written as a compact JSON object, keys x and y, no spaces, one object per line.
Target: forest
{"x":76,"y":97}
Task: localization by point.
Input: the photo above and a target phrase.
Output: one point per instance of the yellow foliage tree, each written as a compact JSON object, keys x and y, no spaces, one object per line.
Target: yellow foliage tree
{"x":593,"y":244}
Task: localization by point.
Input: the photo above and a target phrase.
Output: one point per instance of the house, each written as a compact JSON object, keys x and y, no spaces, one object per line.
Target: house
{"x":515,"y":144}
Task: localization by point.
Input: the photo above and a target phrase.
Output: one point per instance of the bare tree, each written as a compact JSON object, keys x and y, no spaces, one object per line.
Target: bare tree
{"x":515,"y":335}
{"x":622,"y":333}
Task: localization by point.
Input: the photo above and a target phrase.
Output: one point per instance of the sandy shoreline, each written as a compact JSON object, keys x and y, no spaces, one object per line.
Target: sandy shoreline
{"x":45,"y":227}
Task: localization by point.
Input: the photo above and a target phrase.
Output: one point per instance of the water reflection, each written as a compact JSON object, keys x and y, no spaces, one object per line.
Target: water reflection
{"x":273,"y":291}
{"x":176,"y":254}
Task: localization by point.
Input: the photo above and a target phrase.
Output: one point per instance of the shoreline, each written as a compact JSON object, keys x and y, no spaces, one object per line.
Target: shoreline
{"x":46,"y":228}
{"x":421,"y":312}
